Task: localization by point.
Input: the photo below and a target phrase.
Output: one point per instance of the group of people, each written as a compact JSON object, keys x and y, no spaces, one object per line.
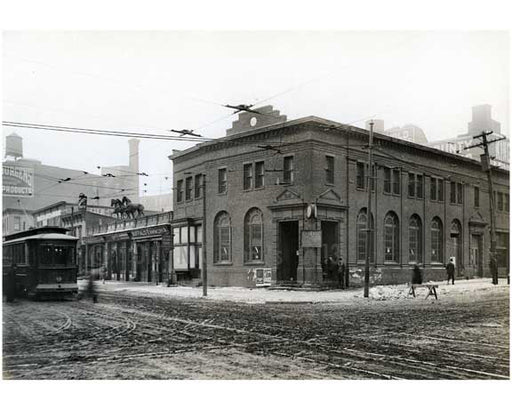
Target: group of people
{"x":336,"y":271}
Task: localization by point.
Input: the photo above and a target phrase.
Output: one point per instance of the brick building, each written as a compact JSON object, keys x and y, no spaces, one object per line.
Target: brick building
{"x":285,"y":195}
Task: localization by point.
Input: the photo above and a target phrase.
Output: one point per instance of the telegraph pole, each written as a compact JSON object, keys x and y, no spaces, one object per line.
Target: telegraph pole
{"x":369,"y":232}
{"x":486,"y":167}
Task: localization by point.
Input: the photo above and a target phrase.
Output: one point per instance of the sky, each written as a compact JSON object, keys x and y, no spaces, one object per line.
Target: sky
{"x":152,"y":81}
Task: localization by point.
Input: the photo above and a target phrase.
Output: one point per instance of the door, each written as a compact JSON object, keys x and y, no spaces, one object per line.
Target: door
{"x":476,"y":254}
{"x":455,"y":246}
{"x":329,"y":245}
{"x":288,"y":258}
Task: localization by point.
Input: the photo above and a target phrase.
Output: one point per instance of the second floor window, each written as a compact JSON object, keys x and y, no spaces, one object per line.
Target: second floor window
{"x":188,"y":188}
{"x":396,"y":181}
{"x":500,"y":201}
{"x":360,"y":175}
{"x":288,"y":170}
{"x":223,"y":181}
{"x":179,"y":189}
{"x":247,"y":176}
{"x":456,"y":192}
{"x":436,"y":189}
{"x":260,"y":175}
{"x":415,"y":185}
{"x":329,"y":169}
{"x":477,"y":197}
{"x":387,"y":180}
{"x":198,"y":185}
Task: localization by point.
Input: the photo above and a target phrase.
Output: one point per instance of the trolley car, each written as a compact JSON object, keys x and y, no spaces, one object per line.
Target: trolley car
{"x":40,"y":261}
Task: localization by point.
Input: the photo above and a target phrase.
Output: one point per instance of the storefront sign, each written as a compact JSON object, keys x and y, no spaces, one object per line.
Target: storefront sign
{"x":18,"y":181}
{"x":151,"y":231}
{"x":311,"y":239}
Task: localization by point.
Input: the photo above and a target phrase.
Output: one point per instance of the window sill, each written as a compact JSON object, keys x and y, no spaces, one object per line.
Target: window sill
{"x":259,"y":188}
{"x":222,"y":263}
{"x":254,"y":263}
{"x":222,"y":193}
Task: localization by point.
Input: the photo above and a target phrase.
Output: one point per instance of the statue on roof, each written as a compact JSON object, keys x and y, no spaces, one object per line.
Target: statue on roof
{"x":82,"y":201}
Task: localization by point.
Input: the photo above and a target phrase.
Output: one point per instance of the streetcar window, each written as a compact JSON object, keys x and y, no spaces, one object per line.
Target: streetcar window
{"x":7,"y":255}
{"x":18,"y":254}
{"x":46,"y":254}
{"x":63,"y":255}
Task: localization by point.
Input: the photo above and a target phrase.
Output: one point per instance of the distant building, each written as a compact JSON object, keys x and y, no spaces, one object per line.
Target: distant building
{"x":158,"y":203}
{"x":481,"y":121}
{"x":16,"y":220}
{"x":408,"y":132}
{"x":30,"y":184}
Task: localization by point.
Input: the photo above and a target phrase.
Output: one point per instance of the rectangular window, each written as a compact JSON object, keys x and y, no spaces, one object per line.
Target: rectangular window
{"x":259,"y":182}
{"x":477,"y":197}
{"x":460,"y":193}
{"x":17,"y":223}
{"x":412,"y":185}
{"x":433,"y":189}
{"x":507,"y":203}
{"x":419,"y":186}
{"x":440,"y":190}
{"x":223,"y":182}
{"x":247,"y":176}
{"x":387,"y":180}
{"x":329,"y":169}
{"x":453,"y":193}
{"x":288,"y":170}
{"x":179,"y":188}
{"x":500,"y":201}
{"x":188,"y":188}
{"x":396,"y":181}
{"x":198,"y":186}
{"x":360,"y":177}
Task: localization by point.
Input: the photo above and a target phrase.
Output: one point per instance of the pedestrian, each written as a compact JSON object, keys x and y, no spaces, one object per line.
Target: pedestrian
{"x":417,"y":276}
{"x":450,"y":271}
{"x":91,"y":289}
{"x":332,"y":268}
{"x":341,"y":273}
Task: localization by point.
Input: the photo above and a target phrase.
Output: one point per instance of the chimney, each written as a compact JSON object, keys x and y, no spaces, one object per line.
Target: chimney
{"x":378,"y":125}
{"x":133,"y":164}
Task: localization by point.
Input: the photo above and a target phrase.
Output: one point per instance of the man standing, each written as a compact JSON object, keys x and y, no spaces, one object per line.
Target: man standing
{"x":450,"y":271}
{"x":341,"y":273}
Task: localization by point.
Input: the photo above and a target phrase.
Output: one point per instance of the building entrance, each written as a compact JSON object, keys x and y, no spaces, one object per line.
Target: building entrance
{"x":288,"y":258}
{"x":329,"y":244}
{"x":455,"y":245}
{"x":475,"y":256}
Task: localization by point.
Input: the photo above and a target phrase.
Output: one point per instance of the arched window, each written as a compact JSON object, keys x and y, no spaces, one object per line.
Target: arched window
{"x":222,"y":238}
{"x":253,"y":236}
{"x":415,"y":240}
{"x":391,"y":238}
{"x":436,"y":240}
{"x":361,"y":235}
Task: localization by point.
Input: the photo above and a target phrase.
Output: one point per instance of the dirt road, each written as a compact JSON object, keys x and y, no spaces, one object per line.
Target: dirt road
{"x":161,"y":338}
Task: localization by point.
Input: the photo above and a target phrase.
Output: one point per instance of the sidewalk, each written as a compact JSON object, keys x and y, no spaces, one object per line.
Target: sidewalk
{"x":463,"y":288}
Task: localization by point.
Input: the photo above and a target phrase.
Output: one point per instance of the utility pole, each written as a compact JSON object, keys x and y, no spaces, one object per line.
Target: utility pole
{"x":204,"y":276}
{"x":486,"y":167}
{"x":369,"y":232}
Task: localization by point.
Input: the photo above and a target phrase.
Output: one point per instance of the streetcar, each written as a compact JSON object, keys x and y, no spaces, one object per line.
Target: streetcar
{"x":40,"y":262}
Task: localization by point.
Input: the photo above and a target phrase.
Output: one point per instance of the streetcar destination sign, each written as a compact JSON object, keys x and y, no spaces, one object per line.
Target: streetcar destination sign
{"x":17,"y":181}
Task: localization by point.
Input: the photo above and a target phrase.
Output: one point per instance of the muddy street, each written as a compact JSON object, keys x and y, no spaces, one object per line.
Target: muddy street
{"x":152,"y":337}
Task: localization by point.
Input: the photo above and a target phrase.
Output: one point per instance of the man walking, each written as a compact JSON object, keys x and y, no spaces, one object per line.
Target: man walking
{"x":341,"y":273}
{"x":450,"y":271}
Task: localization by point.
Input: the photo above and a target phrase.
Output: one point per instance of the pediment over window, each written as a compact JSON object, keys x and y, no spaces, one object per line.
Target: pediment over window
{"x":330,"y":195}
{"x":477,"y":219}
{"x":287,"y":195}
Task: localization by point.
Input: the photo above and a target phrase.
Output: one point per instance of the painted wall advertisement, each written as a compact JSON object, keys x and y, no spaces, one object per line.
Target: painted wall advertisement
{"x":18,"y":181}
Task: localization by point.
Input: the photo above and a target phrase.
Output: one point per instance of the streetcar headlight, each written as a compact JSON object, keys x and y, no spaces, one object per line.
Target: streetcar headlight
{"x":58,"y":279}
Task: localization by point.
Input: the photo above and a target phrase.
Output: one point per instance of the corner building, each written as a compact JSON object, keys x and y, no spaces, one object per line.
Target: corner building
{"x":286,"y":195}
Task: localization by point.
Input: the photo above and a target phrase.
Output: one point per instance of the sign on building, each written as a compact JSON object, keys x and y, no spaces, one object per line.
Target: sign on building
{"x":311,"y":239}
{"x":18,"y":181}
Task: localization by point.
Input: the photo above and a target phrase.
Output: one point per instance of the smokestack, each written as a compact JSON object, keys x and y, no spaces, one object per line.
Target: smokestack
{"x":378,"y":125}
{"x":133,"y":164}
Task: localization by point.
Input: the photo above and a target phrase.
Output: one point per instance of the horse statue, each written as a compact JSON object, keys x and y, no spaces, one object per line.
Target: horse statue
{"x":130,"y":208}
{"x":119,"y":208}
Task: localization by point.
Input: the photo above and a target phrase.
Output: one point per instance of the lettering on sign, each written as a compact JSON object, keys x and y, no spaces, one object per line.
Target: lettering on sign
{"x":156,"y":230}
{"x":312,"y":239}
{"x":18,"y":181}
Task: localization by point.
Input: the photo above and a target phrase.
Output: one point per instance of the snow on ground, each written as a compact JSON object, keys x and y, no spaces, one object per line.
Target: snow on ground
{"x":264,"y":295}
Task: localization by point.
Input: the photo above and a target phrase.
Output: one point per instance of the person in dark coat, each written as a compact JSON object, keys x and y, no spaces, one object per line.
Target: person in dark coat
{"x":417,"y":276}
{"x":450,"y":271}
{"x":341,"y":273}
{"x":332,"y":268}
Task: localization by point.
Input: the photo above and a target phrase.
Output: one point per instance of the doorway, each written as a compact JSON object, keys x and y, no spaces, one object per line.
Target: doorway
{"x":455,"y":246}
{"x":475,"y":256}
{"x":288,"y":258}
{"x":330,"y":241}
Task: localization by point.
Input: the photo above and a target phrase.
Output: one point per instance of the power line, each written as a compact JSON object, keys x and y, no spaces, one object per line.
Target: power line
{"x":104,"y":132}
